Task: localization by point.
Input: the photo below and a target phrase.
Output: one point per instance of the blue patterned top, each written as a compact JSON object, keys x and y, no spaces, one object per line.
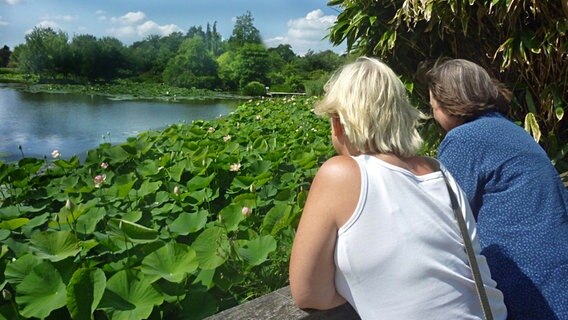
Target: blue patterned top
{"x":521,"y":207}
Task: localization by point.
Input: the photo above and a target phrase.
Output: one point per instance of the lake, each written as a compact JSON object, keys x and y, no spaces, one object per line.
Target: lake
{"x":38,"y":123}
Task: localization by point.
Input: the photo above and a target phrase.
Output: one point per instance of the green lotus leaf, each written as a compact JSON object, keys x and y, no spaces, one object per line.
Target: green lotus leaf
{"x":12,"y":212}
{"x":84,"y":292}
{"x":211,"y":247}
{"x":31,"y":165}
{"x":14,"y":224}
{"x":198,"y":304}
{"x":117,"y":154}
{"x":260,"y":166}
{"x":200,"y":196}
{"x":171,"y":262}
{"x":231,"y":216}
{"x":148,"y":168}
{"x":242,"y":182}
{"x":72,"y":163}
{"x":148,"y":187}
{"x":199,"y":182}
{"x":133,"y":230}
{"x":41,"y":291}
{"x":54,"y":245}
{"x":4,"y":234}
{"x":122,"y":185}
{"x":87,"y":222}
{"x":129,"y":296}
{"x":177,"y":170}
{"x":276,"y":218}
{"x":35,"y":222}
{"x":187,"y":223}
{"x":256,"y":251}
{"x":18,"y":269}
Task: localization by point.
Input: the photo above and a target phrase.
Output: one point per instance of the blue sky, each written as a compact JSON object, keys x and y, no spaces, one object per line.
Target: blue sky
{"x":300,"y":23}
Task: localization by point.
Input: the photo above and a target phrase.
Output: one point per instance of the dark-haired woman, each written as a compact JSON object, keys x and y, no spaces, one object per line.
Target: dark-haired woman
{"x":516,"y":195}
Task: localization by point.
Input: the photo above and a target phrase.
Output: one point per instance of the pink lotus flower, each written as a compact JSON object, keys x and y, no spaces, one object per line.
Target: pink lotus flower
{"x":99,"y":180}
{"x":227,"y":138}
{"x":104,"y":165}
{"x":235,"y":167}
{"x":211,"y":130}
{"x":246,"y":212}
{"x":55,"y":154}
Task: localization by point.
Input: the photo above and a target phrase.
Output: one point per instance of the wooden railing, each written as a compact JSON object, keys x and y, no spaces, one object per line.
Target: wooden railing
{"x":279,"y":305}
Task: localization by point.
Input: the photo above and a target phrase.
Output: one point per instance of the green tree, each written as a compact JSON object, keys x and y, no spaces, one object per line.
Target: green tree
{"x":86,"y":52}
{"x":5,"y":54}
{"x":244,"y":31}
{"x":193,"y":66}
{"x":112,"y":58}
{"x":522,"y":42}
{"x":45,"y":52}
{"x":251,"y":64}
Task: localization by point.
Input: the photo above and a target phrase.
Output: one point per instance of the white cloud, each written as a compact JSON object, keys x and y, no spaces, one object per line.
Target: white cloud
{"x":150,"y":27}
{"x":122,"y":32}
{"x":137,"y":24}
{"x":46,"y":24}
{"x":3,"y":22}
{"x":130,"y":18}
{"x":307,"y":33}
{"x":12,"y":2}
{"x":66,"y":18}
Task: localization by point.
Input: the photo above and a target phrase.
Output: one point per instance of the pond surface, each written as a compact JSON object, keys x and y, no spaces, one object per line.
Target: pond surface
{"x":37,"y":123}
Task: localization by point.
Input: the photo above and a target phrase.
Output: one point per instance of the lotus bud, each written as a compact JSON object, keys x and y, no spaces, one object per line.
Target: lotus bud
{"x":69,"y":205}
{"x":246,"y":212}
{"x":177,"y":191}
{"x":104,"y":165}
{"x":6,"y":294}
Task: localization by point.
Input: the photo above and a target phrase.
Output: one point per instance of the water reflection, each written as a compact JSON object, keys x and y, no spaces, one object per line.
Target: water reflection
{"x":40,"y":122}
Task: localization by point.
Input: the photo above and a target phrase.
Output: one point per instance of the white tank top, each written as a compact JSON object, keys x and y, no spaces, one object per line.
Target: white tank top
{"x":401,"y":254}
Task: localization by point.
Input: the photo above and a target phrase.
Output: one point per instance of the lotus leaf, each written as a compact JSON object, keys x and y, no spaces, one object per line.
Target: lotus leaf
{"x":256,"y":251}
{"x":54,"y":245}
{"x":129,"y":296}
{"x":84,"y":292}
{"x":41,"y":291}
{"x":211,"y":247}
{"x":187,"y":223}
{"x":172,"y":262}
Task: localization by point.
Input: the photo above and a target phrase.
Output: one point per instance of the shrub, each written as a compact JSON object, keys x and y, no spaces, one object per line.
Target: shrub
{"x":254,"y":88}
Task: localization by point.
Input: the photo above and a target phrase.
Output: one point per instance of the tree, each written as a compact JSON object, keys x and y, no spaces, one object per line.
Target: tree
{"x":112,"y":58}
{"x":193,"y":66}
{"x":45,"y":52}
{"x":251,"y":64}
{"x":86,"y":53}
{"x":523,"y":42}
{"x":5,"y":54}
{"x":244,"y":31}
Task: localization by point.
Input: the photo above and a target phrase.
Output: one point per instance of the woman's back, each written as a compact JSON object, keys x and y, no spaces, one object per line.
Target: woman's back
{"x":521,"y":209}
{"x":401,"y":255}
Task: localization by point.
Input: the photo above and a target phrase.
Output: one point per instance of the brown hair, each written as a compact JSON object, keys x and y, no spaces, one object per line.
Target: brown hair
{"x":464,"y":89}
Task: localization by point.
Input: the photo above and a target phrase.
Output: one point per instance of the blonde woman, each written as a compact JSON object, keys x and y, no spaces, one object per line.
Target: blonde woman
{"x":378,"y":230}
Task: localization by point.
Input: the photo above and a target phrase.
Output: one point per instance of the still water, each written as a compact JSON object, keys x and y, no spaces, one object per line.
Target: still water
{"x":39,"y":122}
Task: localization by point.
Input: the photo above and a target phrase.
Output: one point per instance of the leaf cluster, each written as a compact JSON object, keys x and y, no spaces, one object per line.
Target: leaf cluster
{"x":176,"y":224}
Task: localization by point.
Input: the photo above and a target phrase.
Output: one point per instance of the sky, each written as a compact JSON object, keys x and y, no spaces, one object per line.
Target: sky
{"x":300,"y":23}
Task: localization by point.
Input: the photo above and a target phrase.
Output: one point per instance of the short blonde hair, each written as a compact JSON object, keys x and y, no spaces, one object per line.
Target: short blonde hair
{"x":373,"y":107}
